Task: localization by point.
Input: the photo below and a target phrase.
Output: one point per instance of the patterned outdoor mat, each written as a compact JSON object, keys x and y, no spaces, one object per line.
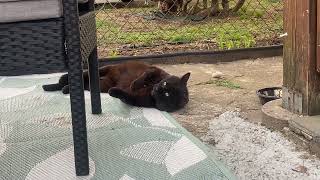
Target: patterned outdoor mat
{"x":125,"y":143}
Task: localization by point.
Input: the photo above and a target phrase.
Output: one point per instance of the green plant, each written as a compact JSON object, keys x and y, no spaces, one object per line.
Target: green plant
{"x":230,"y":37}
{"x":113,"y":53}
{"x":227,"y":84}
{"x":221,"y":82}
{"x":247,"y":14}
{"x":182,"y":38}
{"x":225,"y":33}
{"x":100,"y":23}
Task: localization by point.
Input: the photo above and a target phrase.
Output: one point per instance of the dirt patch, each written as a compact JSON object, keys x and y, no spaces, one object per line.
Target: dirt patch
{"x":209,"y":100}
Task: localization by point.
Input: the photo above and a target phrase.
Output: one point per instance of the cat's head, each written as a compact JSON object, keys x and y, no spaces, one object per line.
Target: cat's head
{"x":171,"y":93}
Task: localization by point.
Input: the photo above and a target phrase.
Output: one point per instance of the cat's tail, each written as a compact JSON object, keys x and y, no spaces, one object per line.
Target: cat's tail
{"x":52,"y":87}
{"x":63,"y":81}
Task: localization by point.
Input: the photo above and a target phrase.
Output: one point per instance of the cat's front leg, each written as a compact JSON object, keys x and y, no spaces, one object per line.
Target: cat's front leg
{"x":117,"y":93}
{"x":137,"y":85}
{"x":147,"y":79}
{"x":120,"y":94}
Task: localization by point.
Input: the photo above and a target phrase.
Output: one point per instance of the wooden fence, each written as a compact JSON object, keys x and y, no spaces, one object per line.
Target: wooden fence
{"x":301,"y":92}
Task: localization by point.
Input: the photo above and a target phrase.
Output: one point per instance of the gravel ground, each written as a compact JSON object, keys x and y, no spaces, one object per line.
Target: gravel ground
{"x":254,"y":152}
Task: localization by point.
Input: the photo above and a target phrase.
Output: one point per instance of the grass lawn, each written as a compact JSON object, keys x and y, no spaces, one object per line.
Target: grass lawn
{"x":129,"y":31}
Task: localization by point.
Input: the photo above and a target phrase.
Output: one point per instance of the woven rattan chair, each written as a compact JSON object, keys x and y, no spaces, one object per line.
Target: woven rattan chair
{"x":47,"y":36}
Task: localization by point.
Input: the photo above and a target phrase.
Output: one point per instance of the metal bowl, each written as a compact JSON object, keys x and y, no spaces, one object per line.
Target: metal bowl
{"x":269,"y":94}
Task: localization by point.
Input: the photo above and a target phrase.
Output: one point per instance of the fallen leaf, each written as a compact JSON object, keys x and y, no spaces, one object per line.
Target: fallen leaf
{"x":301,"y":169}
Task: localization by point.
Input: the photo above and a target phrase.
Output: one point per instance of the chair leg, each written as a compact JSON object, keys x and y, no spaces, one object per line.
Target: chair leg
{"x":94,"y":82}
{"x":72,"y":37}
{"x":79,"y":122}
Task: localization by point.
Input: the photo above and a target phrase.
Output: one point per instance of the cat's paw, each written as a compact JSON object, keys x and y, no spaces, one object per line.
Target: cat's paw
{"x":52,"y":87}
{"x":65,"y":89}
{"x":116,"y":92}
{"x":136,"y":85}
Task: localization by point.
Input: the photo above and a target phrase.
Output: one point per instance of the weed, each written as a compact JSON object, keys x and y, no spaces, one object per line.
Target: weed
{"x":246,"y":14}
{"x":233,"y":37}
{"x":227,"y":84}
{"x":222,"y":82}
{"x":113,"y":53}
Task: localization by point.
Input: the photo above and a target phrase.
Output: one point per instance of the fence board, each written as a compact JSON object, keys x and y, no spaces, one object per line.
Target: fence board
{"x":301,"y":80}
{"x":318,"y":35}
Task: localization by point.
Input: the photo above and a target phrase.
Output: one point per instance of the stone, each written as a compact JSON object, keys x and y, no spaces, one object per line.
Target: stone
{"x":217,"y":74}
{"x":275,"y":116}
{"x":308,"y":126}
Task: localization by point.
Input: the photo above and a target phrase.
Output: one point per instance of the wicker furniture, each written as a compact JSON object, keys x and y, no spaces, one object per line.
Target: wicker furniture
{"x":54,"y":42}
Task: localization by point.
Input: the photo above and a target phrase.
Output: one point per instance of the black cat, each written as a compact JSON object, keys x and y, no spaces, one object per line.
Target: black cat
{"x":137,"y":84}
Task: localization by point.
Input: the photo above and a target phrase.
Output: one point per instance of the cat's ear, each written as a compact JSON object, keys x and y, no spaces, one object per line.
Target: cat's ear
{"x":185,"y":78}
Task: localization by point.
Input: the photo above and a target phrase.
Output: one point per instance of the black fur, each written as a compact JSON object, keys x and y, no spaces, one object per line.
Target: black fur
{"x":63,"y":81}
{"x":137,"y":84}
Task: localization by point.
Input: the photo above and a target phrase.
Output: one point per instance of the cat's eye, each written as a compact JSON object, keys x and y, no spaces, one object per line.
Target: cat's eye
{"x":165,"y":83}
{"x":167,"y":94}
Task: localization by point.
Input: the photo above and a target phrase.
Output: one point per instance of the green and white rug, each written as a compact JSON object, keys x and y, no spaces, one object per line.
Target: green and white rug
{"x":125,"y":143}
